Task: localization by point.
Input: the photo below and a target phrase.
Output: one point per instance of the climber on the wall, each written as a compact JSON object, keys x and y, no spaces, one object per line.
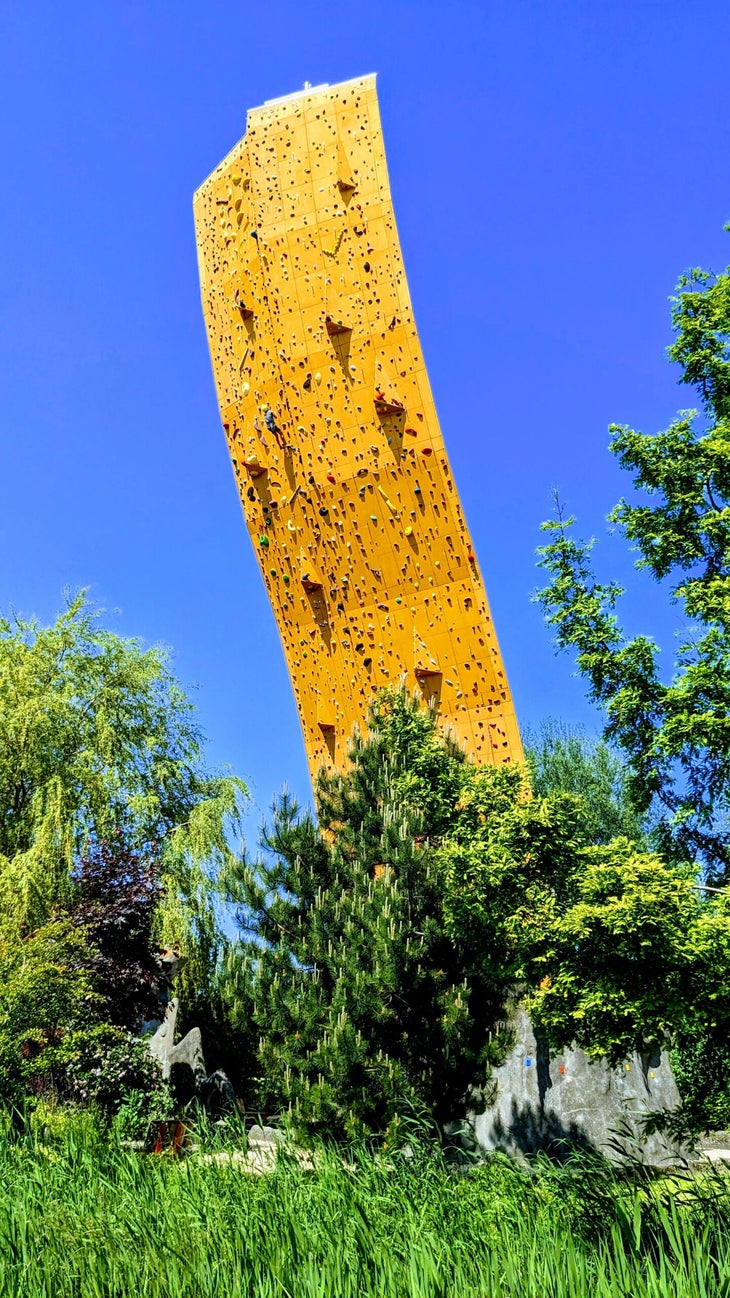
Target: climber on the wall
{"x":272,"y":426}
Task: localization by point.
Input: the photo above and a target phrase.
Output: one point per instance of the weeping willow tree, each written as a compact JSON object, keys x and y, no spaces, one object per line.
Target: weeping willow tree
{"x":97,"y":745}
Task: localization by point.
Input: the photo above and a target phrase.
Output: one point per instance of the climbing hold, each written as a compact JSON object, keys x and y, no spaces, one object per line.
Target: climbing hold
{"x":334,"y":327}
{"x":253,"y":466}
{"x":285,"y":579}
{"x":373,"y":518}
{"x":272,"y":572}
{"x":408,"y":531}
{"x":307,"y":384}
{"x":426,"y":450}
{"x":332,"y":252}
{"x":245,"y":389}
{"x":330,"y":477}
{"x":318,"y":377}
{"x":246,"y":311}
{"x":388,"y":405}
{"x":411,"y":432}
{"x":264,"y":541}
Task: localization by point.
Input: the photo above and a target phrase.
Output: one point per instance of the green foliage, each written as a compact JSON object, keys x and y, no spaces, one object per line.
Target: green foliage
{"x":380,"y":945}
{"x":700,"y":1059}
{"x":97,"y":742}
{"x":46,"y":996}
{"x":365,"y":1007}
{"x":675,"y":733}
{"x":615,"y":962}
{"x":53,"y":1038}
{"x":563,"y":759}
{"x":80,"y":1218}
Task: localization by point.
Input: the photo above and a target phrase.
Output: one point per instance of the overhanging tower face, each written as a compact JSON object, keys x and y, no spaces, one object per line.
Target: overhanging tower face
{"x":341,"y":468}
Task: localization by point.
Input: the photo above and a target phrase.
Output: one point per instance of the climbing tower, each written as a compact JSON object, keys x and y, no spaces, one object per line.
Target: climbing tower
{"x":341,"y":468}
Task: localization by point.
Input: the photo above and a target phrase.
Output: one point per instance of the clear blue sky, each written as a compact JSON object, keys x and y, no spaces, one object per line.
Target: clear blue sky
{"x":554,"y":167}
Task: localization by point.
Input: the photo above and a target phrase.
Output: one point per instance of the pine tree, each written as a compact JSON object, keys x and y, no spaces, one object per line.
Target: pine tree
{"x":365,"y":1007}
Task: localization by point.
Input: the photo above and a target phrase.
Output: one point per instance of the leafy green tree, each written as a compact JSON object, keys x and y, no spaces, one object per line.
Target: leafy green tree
{"x":634,"y":956}
{"x":613,"y":948}
{"x":563,"y":759}
{"x":362,"y":1005}
{"x":674,"y":731}
{"x":46,"y":995}
{"x":97,"y":743}
{"x":55,"y":1035}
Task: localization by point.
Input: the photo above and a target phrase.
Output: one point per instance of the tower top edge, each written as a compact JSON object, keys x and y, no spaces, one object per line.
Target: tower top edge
{"x":313,"y":92}
{"x":325,"y":90}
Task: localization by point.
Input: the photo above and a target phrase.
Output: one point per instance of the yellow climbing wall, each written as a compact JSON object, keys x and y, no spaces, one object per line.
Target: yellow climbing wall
{"x":343,"y":476}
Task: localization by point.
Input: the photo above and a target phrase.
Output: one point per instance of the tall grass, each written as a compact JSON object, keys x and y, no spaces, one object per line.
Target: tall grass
{"x":83,"y":1218}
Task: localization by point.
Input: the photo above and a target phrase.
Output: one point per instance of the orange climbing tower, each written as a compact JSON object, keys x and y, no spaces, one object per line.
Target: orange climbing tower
{"x":343,"y":476}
